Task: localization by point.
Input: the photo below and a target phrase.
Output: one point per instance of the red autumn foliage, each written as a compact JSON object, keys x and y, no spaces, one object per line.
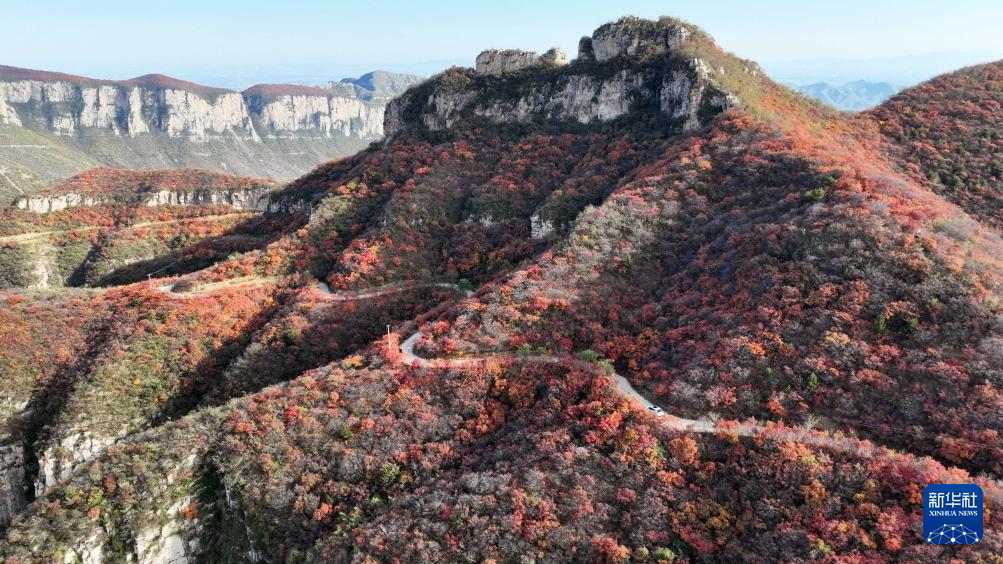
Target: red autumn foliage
{"x":949,"y":133}
{"x":107,"y":181}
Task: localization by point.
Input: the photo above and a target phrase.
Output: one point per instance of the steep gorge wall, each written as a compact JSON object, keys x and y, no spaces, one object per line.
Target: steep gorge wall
{"x":277,"y":132}
{"x":67,"y":108}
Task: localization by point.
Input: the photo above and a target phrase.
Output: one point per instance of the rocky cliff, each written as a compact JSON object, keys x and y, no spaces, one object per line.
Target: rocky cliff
{"x":13,"y":497}
{"x":496,"y":62}
{"x":68,"y":105}
{"x":288,"y":111}
{"x":242,"y":199}
{"x":154,"y":121}
{"x":631,"y":65}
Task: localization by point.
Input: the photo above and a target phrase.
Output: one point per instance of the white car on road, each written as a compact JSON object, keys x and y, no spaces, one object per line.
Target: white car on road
{"x":656,"y":410}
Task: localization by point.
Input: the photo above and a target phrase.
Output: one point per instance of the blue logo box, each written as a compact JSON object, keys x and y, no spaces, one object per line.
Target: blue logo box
{"x":952,"y":514}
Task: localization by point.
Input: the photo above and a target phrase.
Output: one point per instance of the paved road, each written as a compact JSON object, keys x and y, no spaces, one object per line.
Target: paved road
{"x":380,"y":290}
{"x":622,"y":384}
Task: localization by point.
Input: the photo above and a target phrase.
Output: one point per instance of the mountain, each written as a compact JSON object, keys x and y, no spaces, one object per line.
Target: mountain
{"x":852,"y":96}
{"x":949,"y":132}
{"x":59,"y":124}
{"x":376,"y":85}
{"x":645,"y":304}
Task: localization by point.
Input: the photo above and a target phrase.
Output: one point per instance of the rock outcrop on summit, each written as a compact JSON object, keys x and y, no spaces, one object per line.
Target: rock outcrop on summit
{"x":497,"y":62}
{"x":634,"y":36}
{"x":630,"y":66}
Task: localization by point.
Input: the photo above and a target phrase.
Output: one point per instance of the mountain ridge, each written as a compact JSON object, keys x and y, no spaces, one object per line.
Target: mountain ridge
{"x":927,"y":124}
{"x":151,"y":80}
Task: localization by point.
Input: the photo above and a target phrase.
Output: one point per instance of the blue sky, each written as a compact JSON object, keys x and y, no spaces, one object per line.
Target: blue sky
{"x":260,"y":39}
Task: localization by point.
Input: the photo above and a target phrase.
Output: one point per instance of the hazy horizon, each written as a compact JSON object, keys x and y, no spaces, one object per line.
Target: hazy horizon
{"x":310,"y":42}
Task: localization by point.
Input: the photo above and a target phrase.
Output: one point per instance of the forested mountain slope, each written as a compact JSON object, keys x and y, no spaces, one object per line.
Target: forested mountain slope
{"x":949,"y":131}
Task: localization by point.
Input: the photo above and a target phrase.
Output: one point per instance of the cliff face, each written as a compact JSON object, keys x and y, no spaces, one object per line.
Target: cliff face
{"x":241,"y":199}
{"x":629,"y":65}
{"x":272,"y":131}
{"x":289,"y":112}
{"x":177,"y":187}
{"x":493,"y":61}
{"x":13,"y":497}
{"x":68,"y":106}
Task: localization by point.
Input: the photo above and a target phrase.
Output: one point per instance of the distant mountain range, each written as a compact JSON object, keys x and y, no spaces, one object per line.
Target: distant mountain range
{"x":852,"y":96}
{"x":904,"y":70}
{"x":375,"y":86}
{"x":54,"y":125}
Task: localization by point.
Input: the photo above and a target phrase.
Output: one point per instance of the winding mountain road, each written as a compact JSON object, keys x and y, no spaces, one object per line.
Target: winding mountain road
{"x":622,"y":385}
{"x":778,"y":431}
{"x":837,"y":443}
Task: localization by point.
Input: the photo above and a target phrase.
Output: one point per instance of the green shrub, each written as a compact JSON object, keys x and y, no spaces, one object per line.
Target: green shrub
{"x":290,"y":337}
{"x":16,"y":268}
{"x":389,"y":473}
{"x":662,"y":553}
{"x":881,"y":323}
{"x":811,"y":381}
{"x":815,"y":195}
